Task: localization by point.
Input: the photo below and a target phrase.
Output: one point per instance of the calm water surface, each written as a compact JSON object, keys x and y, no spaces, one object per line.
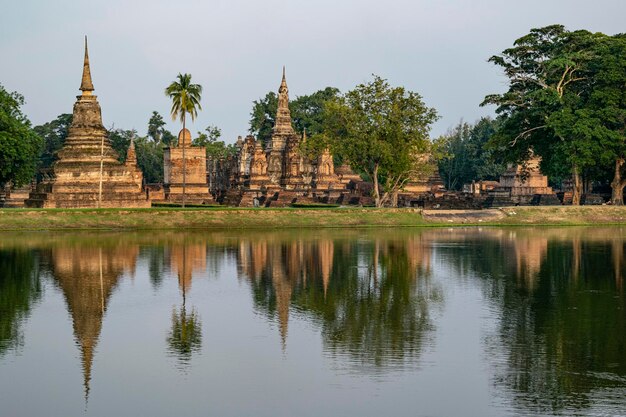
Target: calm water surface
{"x":458,"y":322}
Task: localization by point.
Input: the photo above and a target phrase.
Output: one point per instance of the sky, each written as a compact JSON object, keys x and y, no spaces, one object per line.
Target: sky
{"x":236,"y":49}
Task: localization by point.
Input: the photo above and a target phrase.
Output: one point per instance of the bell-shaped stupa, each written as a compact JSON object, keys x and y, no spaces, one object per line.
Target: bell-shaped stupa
{"x":87,"y":172}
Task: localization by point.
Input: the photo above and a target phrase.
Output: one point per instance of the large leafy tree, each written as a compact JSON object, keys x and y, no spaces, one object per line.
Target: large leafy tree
{"x":148,"y":150}
{"x":605,"y":106}
{"x":150,"y":159}
{"x":543,"y":110}
{"x":53,"y":134}
{"x":120,"y":141}
{"x":185,"y":98}
{"x":307,"y":113}
{"x":20,"y":146}
{"x":263,"y":117}
{"x":467,"y":157}
{"x":382,"y":131}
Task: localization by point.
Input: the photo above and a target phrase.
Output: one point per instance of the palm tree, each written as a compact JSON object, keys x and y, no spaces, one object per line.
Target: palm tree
{"x":185,"y":99}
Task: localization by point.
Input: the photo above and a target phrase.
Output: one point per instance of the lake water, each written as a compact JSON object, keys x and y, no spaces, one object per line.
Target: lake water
{"x":394,"y":322}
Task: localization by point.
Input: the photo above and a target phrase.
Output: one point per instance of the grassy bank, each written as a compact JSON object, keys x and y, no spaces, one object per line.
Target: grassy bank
{"x":235,"y":218}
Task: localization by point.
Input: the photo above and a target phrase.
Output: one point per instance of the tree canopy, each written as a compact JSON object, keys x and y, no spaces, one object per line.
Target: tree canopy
{"x":382,"y":131}
{"x":214,"y":148}
{"x":20,"y":146}
{"x":53,"y":134}
{"x":563,"y":101}
{"x":466,"y":157}
{"x":157,"y":131}
{"x":185,"y":98}
{"x":307,"y":113}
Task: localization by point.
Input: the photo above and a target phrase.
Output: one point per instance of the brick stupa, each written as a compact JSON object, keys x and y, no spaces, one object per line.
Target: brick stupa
{"x":87,"y":161}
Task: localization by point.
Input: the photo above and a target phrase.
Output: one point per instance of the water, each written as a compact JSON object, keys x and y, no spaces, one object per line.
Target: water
{"x":414,"y":322}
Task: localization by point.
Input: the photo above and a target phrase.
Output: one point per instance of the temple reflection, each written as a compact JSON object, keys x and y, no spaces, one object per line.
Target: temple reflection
{"x":185,"y":336}
{"x":557,"y":294}
{"x":562,"y":331}
{"x":371,"y":298}
{"x":88,"y":274}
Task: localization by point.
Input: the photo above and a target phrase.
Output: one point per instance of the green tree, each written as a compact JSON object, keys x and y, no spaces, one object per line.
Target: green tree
{"x":605,"y":106}
{"x":20,"y":146}
{"x":214,"y":148}
{"x":263,"y":117}
{"x":466,"y":156}
{"x":150,"y":159}
{"x":53,"y":134}
{"x":185,"y":98}
{"x":120,"y":141}
{"x":157,"y":131}
{"x":543,"y":110}
{"x":383,"y":132}
{"x":307,"y":113}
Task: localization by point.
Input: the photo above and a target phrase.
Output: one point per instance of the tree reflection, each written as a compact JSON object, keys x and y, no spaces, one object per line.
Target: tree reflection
{"x":562,"y":334}
{"x":156,"y":265}
{"x":371,"y":298}
{"x":20,"y":288}
{"x":185,"y":337}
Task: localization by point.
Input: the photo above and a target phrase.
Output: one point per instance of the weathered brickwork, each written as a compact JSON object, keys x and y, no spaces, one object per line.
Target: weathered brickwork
{"x":87,"y":162}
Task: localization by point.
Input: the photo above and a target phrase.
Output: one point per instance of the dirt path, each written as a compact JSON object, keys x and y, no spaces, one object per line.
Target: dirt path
{"x":463,"y":216}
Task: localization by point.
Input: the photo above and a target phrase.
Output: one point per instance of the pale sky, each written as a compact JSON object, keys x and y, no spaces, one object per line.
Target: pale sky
{"x":236,"y":49}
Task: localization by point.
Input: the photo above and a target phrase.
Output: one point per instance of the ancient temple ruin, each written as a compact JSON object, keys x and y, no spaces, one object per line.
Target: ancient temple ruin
{"x":523,"y":184}
{"x":278,"y":174}
{"x":88,"y":172}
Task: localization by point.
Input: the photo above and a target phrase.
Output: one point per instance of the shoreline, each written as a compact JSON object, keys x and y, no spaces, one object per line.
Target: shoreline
{"x":220,"y":218}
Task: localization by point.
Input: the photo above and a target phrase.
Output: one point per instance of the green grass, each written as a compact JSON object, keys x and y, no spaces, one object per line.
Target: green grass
{"x":206,"y":217}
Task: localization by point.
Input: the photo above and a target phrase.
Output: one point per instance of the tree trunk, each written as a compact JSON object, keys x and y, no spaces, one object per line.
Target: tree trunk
{"x":578,"y":186}
{"x":184,"y":163}
{"x":618,"y":184}
{"x":376,"y":191}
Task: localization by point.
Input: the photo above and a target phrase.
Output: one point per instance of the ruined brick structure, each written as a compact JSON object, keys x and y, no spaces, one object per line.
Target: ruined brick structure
{"x":12,"y":197}
{"x":277,"y":175}
{"x":195,"y":168}
{"x":87,"y":163}
{"x":523,"y":185}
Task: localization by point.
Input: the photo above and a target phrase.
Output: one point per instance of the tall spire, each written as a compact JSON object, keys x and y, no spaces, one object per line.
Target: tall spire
{"x":282,"y":125}
{"x":131,"y":155}
{"x":86,"y":86}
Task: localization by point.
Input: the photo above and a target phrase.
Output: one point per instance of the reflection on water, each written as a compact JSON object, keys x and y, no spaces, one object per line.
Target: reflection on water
{"x":185,"y":337}
{"x":370,"y":297}
{"x":560,"y":300}
{"x":377,"y":300}
{"x":20,"y":288}
{"x":87,"y":276}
